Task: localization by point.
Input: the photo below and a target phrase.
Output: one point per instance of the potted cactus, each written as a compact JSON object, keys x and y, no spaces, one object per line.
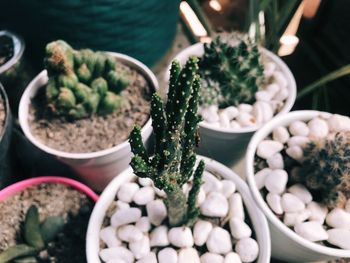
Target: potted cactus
{"x":243,"y":86}
{"x":172,"y":207}
{"x":44,"y":220}
{"x":297,"y":168}
{"x":83,"y":106}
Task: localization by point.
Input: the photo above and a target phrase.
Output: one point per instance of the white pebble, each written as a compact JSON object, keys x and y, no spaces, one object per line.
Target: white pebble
{"x":268,"y":148}
{"x":318,"y":212}
{"x":214,"y":205}
{"x":116,"y":260}
{"x":291,"y":203}
{"x":145,"y":181}
{"x":210,"y":114}
{"x":245,"y":119}
{"x":338,"y":123}
{"x":232,"y":257}
{"x":295,"y":152}
{"x":149,"y":258}
{"x":282,"y":94}
{"x":181,"y":237}
{"x":276,"y":181}
{"x":269,"y":69}
{"x":140,"y":248}
{"x":122,"y":253}
{"x":339,"y":238}
{"x":262,"y":111}
{"x":280,"y":79}
{"x":312,"y":231}
{"x":231,"y":112}
{"x":187,"y":255}
{"x":272,"y":88}
{"x":143,"y":224}
{"x":275,"y":203}
{"x":224,"y":120}
{"x":167,"y":255}
{"x":247,"y":249}
{"x":245,"y":108}
{"x":201,"y":231}
{"x":318,"y":128}
{"x":299,"y":128}
{"x":211,"y":258}
{"x":228,"y":188}
{"x":235,"y":125}
{"x":239,"y":229}
{"x":338,"y":218}
{"x":301,"y":192}
{"x":219,"y":241}
{"x":301,"y":141}
{"x":125,"y":216}
{"x":160,"y":193}
{"x":291,"y":219}
{"x":276,"y":105}
{"x":159,"y":237}
{"x":260,"y":177}
{"x":275,"y":161}
{"x":211,"y":183}
{"x":121,"y":205}
{"x":156,"y":211}
{"x":280,"y":134}
{"x":144,"y":195}
{"x":129,"y":233}
{"x":236,"y":208}
{"x":126,"y":192}
{"x":201,"y":196}
{"x":109,"y":236}
{"x":263,"y":95}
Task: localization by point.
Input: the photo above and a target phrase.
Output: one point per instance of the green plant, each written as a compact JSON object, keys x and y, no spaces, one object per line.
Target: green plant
{"x":36,"y":236}
{"x":175,"y":128}
{"x":325,"y":170}
{"x":81,"y":82}
{"x":232,"y":73}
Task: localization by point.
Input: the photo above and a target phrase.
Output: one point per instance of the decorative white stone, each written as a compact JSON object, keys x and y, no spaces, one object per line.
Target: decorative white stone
{"x":167,"y":255}
{"x":181,"y":237}
{"x":338,"y":123}
{"x":247,"y":249}
{"x":122,"y":253}
{"x":269,"y":69}
{"x":145,"y":181}
{"x":201,"y":231}
{"x":291,"y":203}
{"x":263,"y":95}
{"x":276,"y":105}
{"x":109,"y":236}
{"x":149,"y":258}
{"x":211,"y":258}
{"x":186,"y":188}
{"x":268,"y":148}
{"x":235,"y":125}
{"x":143,"y":224}
{"x":338,"y":218}
{"x":126,"y":192}
{"x":291,"y":219}
{"x":239,"y":229}
{"x":144,"y":195}
{"x":231,"y":112}
{"x":299,"y":128}
{"x":159,"y":237}
{"x":262,"y":111}
{"x":210,"y":114}
{"x":318,"y":128}
{"x":211,"y":183}
{"x":125,"y":216}
{"x":312,"y":231}
{"x":224,"y":120}
{"x":121,"y":205}
{"x":214,"y":205}
{"x":187,"y":255}
{"x":236,"y":208}
{"x":219,"y":241}
{"x":156,"y":211}
{"x":160,"y":193}
{"x":276,"y":181}
{"x":232,"y":257}
{"x":298,"y":141}
{"x":275,"y":203}
{"x":116,"y":260}
{"x":275,"y":161}
{"x":245,"y":119}
{"x":318,"y":212}
{"x":129,"y":233}
{"x":280,"y":79}
{"x":260,"y":177}
{"x":140,"y":248}
{"x":282,"y":94}
{"x":280,"y":134}
{"x":245,"y":108}
{"x":295,"y":152}
{"x":347,"y":206}
{"x":201,"y":196}
{"x":339,"y":237}
{"x":272,"y":88}
{"x":228,"y":188}
{"x":301,"y":192}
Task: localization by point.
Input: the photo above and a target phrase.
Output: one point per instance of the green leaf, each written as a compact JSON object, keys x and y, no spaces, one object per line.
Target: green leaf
{"x":51,"y":227}
{"x":26,"y":260}
{"x":16,"y":252}
{"x":32,"y":233}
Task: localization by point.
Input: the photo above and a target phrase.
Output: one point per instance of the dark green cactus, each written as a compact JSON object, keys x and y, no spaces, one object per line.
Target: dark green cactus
{"x":36,"y":237}
{"x":231,"y":73}
{"x":82,"y":82}
{"x":325,"y":170}
{"x":175,"y":128}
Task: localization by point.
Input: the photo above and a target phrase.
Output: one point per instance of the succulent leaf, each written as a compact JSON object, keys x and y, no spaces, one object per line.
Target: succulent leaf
{"x":17,"y":252}
{"x":32,"y":234}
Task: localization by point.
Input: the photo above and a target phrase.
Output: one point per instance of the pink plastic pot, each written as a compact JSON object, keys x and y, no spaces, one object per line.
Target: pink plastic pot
{"x":20,"y":186}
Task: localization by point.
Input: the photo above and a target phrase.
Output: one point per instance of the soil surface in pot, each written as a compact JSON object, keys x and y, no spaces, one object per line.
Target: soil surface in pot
{"x":2,"y":114}
{"x":6,"y":49}
{"x":51,"y":200}
{"x":98,"y":132}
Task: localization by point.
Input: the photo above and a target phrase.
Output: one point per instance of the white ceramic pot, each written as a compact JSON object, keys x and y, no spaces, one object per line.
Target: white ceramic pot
{"x":286,"y":244}
{"x":258,"y":220}
{"x":96,"y":168}
{"x":224,"y":144}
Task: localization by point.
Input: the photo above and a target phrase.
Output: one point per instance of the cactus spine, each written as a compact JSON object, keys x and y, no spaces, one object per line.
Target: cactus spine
{"x":175,"y":128}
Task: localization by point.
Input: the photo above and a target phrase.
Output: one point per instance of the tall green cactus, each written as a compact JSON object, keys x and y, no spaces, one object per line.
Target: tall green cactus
{"x":82,"y":82}
{"x":175,"y":128}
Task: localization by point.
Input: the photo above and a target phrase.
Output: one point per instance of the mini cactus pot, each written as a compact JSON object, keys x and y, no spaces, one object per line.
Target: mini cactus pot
{"x":99,"y":167}
{"x":110,"y":203}
{"x":225,"y":138}
{"x":297,"y":170}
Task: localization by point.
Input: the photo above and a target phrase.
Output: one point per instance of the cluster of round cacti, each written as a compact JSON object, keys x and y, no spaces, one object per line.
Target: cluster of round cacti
{"x":231,"y":73}
{"x":82,"y":82}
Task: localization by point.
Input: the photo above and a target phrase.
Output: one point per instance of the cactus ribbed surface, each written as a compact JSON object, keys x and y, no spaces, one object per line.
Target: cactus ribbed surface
{"x":81,"y":82}
{"x":175,"y":128}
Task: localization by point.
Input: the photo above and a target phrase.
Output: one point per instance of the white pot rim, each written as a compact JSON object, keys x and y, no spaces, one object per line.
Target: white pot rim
{"x":27,"y":95}
{"x":258,"y":219}
{"x":256,"y":139}
{"x":197,"y":49}
{"x":18,"y":49}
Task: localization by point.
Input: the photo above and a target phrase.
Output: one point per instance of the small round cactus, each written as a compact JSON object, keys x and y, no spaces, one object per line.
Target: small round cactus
{"x":82,"y":82}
